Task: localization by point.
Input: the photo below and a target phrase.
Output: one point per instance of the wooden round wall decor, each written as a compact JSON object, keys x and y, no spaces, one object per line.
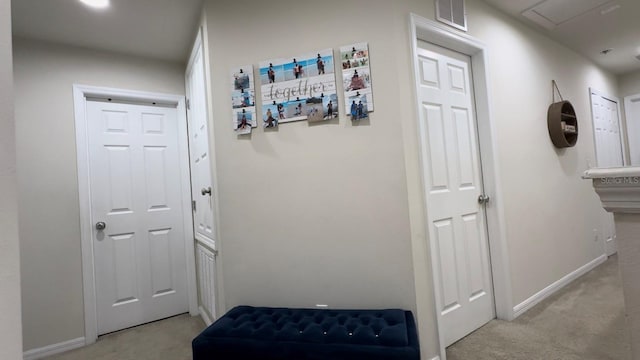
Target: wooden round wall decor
{"x":563,"y":124}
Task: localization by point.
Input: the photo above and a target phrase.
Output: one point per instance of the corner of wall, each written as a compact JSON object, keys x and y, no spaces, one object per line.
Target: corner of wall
{"x":10,"y":306}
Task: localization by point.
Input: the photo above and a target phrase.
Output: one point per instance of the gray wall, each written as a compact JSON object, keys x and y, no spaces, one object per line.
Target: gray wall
{"x":311,"y":214}
{"x":10,"y":325}
{"x":551,"y":212}
{"x":629,"y":84}
{"x":48,"y":188}
{"x":333,"y":213}
{"x":329,"y":213}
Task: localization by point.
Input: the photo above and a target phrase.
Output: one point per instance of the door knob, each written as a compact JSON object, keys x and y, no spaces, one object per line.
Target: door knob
{"x":482,"y":199}
{"x":100,"y":225}
{"x":206,"y":191}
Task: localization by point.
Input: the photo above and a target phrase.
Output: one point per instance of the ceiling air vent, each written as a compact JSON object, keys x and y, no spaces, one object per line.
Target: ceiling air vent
{"x":452,"y":12}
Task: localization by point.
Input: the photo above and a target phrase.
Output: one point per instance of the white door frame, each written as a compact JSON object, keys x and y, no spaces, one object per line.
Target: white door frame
{"x":430,"y":31}
{"x":80,"y":95}
{"x":623,"y":132}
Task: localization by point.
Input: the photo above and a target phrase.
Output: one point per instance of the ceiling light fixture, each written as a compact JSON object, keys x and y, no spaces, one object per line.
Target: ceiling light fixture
{"x":98,"y":4}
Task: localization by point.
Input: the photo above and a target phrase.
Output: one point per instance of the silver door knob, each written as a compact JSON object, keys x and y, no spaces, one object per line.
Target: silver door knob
{"x":482,"y":199}
{"x":206,"y":191}
{"x":101,"y":225}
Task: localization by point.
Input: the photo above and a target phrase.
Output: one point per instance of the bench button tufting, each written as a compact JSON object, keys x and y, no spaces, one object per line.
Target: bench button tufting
{"x":324,"y":333}
{"x":350,"y":334}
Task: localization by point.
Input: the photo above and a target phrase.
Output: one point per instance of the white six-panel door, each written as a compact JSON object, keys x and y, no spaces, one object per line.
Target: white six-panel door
{"x":606,"y":125}
{"x":609,"y":152}
{"x":140,"y":269}
{"x":453,"y":182}
{"x":202,"y":186}
{"x":632,"y":112}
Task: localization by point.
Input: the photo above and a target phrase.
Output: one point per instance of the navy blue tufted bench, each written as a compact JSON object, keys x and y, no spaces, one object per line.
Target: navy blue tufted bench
{"x":262,"y":333}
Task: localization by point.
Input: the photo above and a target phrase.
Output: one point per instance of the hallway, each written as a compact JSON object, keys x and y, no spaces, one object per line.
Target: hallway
{"x":584,"y":321}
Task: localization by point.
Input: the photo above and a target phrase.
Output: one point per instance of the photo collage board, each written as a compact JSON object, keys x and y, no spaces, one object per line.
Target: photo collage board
{"x":356,"y":77}
{"x":243,"y":100}
{"x":303,"y":88}
{"x":299,"y":88}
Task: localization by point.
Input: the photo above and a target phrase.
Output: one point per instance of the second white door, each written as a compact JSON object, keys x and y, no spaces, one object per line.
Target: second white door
{"x":202,"y":186}
{"x":609,"y":153}
{"x":139,"y":247}
{"x":453,"y":188}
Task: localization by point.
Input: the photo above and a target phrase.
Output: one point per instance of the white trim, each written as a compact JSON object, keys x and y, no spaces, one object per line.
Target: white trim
{"x":436,"y":358}
{"x":190,"y":250}
{"x":433,"y":32}
{"x":595,"y":173}
{"x":54,"y":349}
{"x":553,"y":288}
{"x":220,"y":298}
{"x":205,"y":317}
{"x":197,"y":43}
{"x":80,"y":94}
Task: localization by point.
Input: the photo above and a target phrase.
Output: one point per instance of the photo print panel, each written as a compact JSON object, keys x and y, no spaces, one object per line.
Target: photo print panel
{"x":356,"y":77}
{"x":244,"y":120}
{"x":243,"y":99}
{"x":299,"y":88}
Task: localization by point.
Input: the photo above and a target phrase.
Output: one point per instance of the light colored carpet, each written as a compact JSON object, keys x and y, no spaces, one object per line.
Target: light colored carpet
{"x":168,"y":339}
{"x":583,"y":321}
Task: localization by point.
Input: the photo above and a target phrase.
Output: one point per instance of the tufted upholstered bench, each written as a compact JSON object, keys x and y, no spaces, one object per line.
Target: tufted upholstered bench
{"x":262,"y":333}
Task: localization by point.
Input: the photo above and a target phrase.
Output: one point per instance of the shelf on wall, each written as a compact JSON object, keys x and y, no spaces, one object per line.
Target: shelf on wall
{"x":563,"y":124}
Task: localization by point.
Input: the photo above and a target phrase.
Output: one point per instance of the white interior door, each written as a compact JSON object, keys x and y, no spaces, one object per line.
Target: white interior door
{"x":201,"y":184}
{"x":453,"y":185}
{"x":139,"y":250}
{"x":632,"y":113}
{"x":609,"y":152}
{"x":606,"y":126}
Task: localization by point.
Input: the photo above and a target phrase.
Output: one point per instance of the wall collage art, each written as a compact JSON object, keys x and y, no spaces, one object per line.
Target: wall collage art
{"x":356,"y":76}
{"x":302,"y":87}
{"x":243,"y":100}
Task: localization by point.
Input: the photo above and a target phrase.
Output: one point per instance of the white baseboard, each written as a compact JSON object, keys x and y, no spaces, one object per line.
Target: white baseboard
{"x":53,"y":349}
{"x":436,"y":358}
{"x":551,"y":289}
{"x":205,"y":317}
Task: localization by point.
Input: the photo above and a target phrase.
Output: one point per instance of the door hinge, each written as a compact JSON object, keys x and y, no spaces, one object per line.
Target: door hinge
{"x":193,"y":205}
{"x":188,"y":104}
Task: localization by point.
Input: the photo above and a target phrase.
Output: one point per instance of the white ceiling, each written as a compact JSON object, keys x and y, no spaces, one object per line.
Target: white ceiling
{"x":587,"y":32}
{"x":162,"y":29}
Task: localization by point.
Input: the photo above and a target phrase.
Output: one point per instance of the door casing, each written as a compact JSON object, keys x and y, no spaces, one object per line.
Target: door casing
{"x":432,"y":32}
{"x":80,"y":95}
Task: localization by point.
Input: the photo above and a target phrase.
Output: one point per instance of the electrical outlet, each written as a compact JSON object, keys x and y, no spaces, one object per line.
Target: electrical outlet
{"x":595,"y":235}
